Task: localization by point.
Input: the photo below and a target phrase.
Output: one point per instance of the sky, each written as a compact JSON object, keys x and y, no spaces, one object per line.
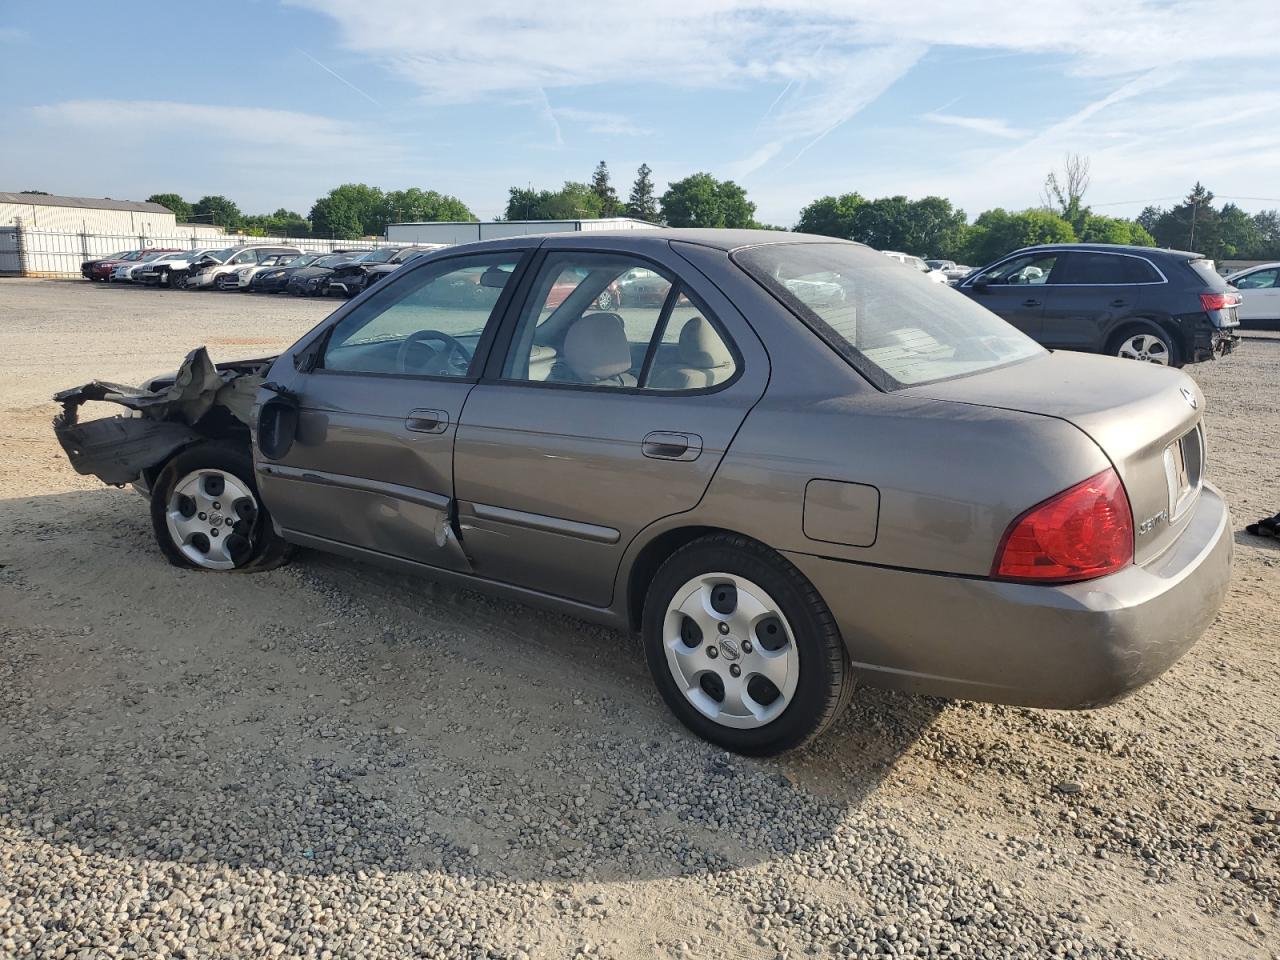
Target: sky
{"x":273,"y":103}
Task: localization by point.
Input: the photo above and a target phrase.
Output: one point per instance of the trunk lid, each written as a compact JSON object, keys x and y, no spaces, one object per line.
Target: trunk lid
{"x":1145,"y":417}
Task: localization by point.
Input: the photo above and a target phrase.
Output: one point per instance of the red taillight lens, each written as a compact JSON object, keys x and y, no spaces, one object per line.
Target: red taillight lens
{"x":1083,"y":532}
{"x":1219,"y":301}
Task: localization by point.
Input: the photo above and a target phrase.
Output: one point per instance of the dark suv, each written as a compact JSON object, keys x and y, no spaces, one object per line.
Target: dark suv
{"x":1161,"y":306}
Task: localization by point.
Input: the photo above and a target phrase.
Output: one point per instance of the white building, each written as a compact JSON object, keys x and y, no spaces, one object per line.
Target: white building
{"x":462,"y":231}
{"x":35,"y":211}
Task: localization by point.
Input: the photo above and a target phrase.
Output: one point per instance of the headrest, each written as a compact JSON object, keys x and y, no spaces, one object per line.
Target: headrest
{"x":701,"y":346}
{"x":596,"y":346}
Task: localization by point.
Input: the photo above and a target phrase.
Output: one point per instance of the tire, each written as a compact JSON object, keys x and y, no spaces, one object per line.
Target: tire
{"x":607,"y":300}
{"x":245,"y":539}
{"x":770,"y":598}
{"x":1147,"y":343}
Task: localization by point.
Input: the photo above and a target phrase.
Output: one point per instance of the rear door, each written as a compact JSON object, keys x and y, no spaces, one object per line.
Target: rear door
{"x":378,"y":395}
{"x":593,"y":423}
{"x":1016,"y":289}
{"x":1093,"y":293}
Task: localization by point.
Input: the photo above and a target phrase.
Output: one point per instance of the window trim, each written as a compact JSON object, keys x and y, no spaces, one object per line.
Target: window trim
{"x":492,"y":373}
{"x":483,"y":351}
{"x":1063,"y":253}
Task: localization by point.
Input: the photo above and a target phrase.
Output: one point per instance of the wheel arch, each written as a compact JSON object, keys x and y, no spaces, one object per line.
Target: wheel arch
{"x":1166,"y":326}
{"x":651,"y":556}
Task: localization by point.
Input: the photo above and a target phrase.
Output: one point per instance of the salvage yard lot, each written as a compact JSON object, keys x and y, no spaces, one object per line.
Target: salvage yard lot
{"x":329,"y":757}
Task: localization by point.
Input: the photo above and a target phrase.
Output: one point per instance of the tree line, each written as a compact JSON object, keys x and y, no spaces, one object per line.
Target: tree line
{"x":928,"y":227}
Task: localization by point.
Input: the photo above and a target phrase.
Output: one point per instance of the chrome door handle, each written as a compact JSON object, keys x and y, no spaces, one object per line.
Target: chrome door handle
{"x":661,"y":445}
{"x":427,"y":421}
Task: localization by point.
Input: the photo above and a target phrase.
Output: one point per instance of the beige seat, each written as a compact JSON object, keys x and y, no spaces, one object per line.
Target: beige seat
{"x":596,"y":351}
{"x":702,"y":359}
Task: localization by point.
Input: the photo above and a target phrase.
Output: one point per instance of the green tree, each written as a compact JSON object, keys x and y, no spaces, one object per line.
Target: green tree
{"x":1191,"y":225}
{"x":831,"y":216}
{"x":700,"y":200}
{"x":642,"y":205}
{"x":365,"y":203}
{"x":603,"y":189}
{"x":181,"y":209}
{"x":996,"y":232}
{"x":1099,"y":229}
{"x":335,"y":216}
{"x":417,"y":205}
{"x":282,"y":223}
{"x":573,"y":201}
{"x":1267,"y":223}
{"x":219,"y":211}
{"x":1238,"y":234}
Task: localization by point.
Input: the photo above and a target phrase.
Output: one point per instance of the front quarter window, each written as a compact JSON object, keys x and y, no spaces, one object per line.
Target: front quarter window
{"x":896,"y":328}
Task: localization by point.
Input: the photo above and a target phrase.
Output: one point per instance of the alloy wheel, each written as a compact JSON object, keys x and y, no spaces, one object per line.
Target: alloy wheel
{"x":211,"y":515}
{"x":1146,"y":347}
{"x":731,"y":651}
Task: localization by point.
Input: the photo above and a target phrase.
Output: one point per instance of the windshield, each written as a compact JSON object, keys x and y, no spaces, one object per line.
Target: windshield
{"x":331,"y":260}
{"x":895,"y":326}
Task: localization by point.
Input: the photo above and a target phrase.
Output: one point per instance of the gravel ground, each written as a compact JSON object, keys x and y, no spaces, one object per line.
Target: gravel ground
{"x":331,"y":761}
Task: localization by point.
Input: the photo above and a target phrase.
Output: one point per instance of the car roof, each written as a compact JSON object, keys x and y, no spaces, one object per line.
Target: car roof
{"x":1256,"y":266}
{"x":719,"y":239}
{"x":1131,"y":249}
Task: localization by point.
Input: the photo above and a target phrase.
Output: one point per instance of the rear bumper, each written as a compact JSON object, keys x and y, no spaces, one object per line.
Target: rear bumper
{"x":1211,"y":342}
{"x":1065,"y":647}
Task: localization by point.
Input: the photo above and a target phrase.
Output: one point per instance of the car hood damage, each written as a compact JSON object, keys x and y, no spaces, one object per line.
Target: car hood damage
{"x":203,"y":400}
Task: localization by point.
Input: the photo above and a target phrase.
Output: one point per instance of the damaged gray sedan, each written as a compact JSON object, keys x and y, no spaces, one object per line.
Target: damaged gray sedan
{"x":785,"y":493}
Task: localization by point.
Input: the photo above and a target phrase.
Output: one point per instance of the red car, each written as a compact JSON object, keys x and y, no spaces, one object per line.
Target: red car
{"x":101,"y":269}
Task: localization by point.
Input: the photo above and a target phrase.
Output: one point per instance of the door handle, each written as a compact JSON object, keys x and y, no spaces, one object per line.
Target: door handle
{"x":427,"y":421}
{"x":1030,"y":303}
{"x":1119,"y":303}
{"x":661,"y":445}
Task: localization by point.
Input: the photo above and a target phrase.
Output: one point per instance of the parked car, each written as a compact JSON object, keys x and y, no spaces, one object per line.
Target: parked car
{"x":1259,"y":289}
{"x":88,"y":269}
{"x":204,"y":273}
{"x":133,"y":272}
{"x":172,"y":271}
{"x":241,"y":277}
{"x":273,"y":279}
{"x":102,"y":269}
{"x":349,"y":278}
{"x":937,"y":276}
{"x":309,"y":281}
{"x":783,"y":499}
{"x":121,"y":272}
{"x":373,"y":273}
{"x":1162,"y":306}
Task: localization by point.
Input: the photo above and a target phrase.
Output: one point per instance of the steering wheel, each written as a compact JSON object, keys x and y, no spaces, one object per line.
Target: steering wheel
{"x":453,"y":360}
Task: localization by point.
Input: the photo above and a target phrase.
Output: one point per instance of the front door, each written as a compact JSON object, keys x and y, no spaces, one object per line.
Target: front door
{"x":379,"y":393}
{"x":610,"y":408}
{"x":1016,"y":290}
{"x":1259,"y":294}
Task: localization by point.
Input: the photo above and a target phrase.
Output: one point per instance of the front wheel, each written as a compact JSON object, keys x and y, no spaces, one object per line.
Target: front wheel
{"x":206,"y":512}
{"x":742,"y":648}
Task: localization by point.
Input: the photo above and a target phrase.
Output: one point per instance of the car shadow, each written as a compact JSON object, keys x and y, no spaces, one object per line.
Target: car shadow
{"x":330,"y":717}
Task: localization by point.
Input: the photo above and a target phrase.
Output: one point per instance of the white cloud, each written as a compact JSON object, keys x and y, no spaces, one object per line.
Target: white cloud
{"x":990,"y":126}
{"x":601,"y":122}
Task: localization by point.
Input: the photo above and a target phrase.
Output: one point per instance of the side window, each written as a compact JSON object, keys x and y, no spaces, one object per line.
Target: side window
{"x":426,"y":324}
{"x":609,"y":321}
{"x":1258,"y":280}
{"x":1107,"y":269}
{"x":244,"y":256}
{"x":1034,"y":268}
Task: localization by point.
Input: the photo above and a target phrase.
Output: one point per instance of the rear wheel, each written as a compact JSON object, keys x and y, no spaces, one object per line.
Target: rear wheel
{"x":742,"y":648}
{"x":1146,"y":344}
{"x":206,"y":512}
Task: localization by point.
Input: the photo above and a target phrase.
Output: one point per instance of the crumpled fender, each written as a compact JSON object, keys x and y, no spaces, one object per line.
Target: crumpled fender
{"x":118,"y":449}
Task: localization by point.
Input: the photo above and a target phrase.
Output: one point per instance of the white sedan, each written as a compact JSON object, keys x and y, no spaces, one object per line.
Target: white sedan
{"x":1259,"y":292}
{"x":911,"y":261}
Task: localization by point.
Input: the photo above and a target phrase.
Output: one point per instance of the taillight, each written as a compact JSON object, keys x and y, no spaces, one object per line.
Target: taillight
{"x":1081,"y":533}
{"x":1219,"y":301}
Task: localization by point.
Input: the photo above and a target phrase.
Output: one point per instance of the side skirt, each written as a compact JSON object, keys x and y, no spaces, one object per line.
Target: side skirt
{"x":601,"y":615}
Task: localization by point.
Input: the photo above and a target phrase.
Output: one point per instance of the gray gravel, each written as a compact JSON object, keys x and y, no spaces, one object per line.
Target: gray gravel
{"x":331,"y":761}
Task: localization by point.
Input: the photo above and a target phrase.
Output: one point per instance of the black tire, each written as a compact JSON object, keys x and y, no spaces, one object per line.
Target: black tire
{"x":265,"y":548}
{"x":826,"y":679}
{"x":1150,"y":329}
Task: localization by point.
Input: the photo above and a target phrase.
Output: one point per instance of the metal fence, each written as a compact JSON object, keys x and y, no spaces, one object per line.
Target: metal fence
{"x":38,"y":253}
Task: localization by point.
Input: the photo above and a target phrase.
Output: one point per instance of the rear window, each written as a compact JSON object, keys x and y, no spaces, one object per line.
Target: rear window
{"x":894,"y":325}
{"x":1106,"y":268}
{"x":1204,"y":269}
